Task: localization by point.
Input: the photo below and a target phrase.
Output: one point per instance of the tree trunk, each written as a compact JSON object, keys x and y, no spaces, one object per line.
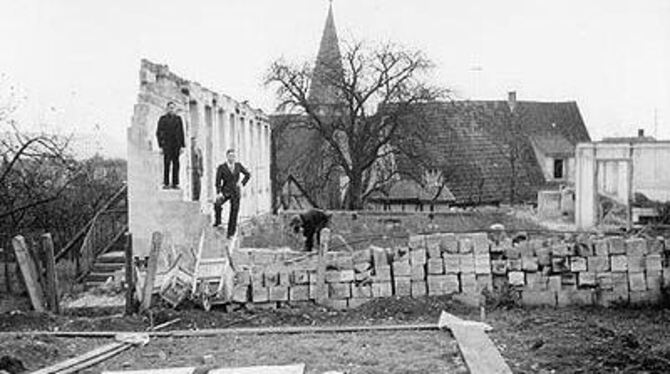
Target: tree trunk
{"x":355,"y":191}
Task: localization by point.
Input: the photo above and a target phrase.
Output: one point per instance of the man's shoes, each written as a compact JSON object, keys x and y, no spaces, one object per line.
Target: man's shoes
{"x":166,"y":187}
{"x":217,"y":225}
{"x":174,"y":187}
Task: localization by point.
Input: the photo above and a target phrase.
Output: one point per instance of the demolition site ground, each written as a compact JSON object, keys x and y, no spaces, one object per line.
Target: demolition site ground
{"x":532,"y":340}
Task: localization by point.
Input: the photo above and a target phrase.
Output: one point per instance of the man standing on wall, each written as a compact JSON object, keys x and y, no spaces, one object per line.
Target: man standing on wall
{"x":228,"y":187}
{"x":170,"y":136}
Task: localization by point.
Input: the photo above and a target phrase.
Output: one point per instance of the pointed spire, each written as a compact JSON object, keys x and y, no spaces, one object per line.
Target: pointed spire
{"x":328,"y":67}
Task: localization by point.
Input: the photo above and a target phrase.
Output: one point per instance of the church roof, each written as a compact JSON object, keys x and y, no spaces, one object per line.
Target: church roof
{"x":328,"y":67}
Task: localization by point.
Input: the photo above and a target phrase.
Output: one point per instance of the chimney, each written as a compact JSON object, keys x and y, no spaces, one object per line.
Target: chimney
{"x":640,"y":133}
{"x":511,"y":100}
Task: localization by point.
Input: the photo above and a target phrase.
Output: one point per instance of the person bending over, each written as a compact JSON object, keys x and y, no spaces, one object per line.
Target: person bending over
{"x":310,"y":224}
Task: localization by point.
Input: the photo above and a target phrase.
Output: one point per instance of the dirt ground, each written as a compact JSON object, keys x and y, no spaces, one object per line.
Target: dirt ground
{"x":572,"y":340}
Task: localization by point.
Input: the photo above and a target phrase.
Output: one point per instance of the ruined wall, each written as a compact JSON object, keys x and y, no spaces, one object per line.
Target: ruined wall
{"x":213,"y":122}
{"x":551,"y":272}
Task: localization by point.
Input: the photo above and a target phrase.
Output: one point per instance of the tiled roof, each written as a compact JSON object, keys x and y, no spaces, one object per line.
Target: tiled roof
{"x":553,"y":145}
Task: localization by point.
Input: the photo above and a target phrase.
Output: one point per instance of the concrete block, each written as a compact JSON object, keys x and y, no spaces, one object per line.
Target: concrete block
{"x":299,"y":293}
{"x":356,"y":302}
{"x":402,"y":286}
{"x":617,"y":245}
{"x":312,"y":276}
{"x":605,"y":281}
{"x":278,"y":293}
{"x":260,"y":294}
{"x":637,"y":281}
{"x":480,"y":242}
{"x":484,"y":282}
{"x":452,"y":263}
{"x":339,"y":290}
{"x":516,"y":278}
{"x":655,"y":245}
{"x":442,"y":284}
{"x":529,"y":264}
{"x":284,"y":278}
{"x":575,"y":297}
{"x":402,"y":268}
{"x":598,"y":264}
{"x":568,"y":279}
{"x":543,"y":256}
{"x":636,"y":264}
{"x":654,"y":280}
{"x":619,"y":278}
{"x":578,"y":264}
{"x":419,"y":289}
{"x":361,"y":291}
{"x":417,"y":242}
{"x":433,"y":246}
{"x":653,"y":263}
{"x":362,"y":267}
{"x":554,"y":282}
{"x":418,"y":256}
{"x":583,"y":249}
{"x":466,"y":263}
{"x":560,"y":264}
{"x":538,"y":298}
{"x":586,"y":279}
{"x":483,"y":264}
{"x":448,"y":243}
{"x":418,"y":273}
{"x":536,"y":282}
{"x":300,"y":276}
{"x":270,"y":278}
{"x":513,"y":253}
{"x":382,"y":289}
{"x":383,"y":274}
{"x":339,"y":276}
{"x":465,"y":244}
{"x":514,"y":264}
{"x":468,"y":283}
{"x":561,"y":250}
{"x":601,"y":247}
{"x":336,"y":304}
{"x":362,"y":256}
{"x":636,"y":247}
{"x":363,"y":276}
{"x":435,"y":266}
{"x":380,"y":257}
{"x":241,"y":293}
{"x":343,"y":262}
{"x":499,"y":267}
{"x":619,"y":263}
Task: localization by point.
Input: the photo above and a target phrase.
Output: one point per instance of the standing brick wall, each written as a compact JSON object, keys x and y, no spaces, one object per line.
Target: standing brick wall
{"x":549,"y":272}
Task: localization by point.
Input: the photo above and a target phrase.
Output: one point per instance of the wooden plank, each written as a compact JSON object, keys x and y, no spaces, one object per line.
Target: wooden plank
{"x":152,"y":267}
{"x":283,"y":369}
{"x":29,"y":273}
{"x":53,"y":299}
{"x":479,"y":353}
{"x":130,"y":275}
{"x":79,"y":359}
{"x":321,"y":290}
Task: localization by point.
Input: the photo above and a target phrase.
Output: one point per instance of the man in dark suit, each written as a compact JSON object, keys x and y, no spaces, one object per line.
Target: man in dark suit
{"x":310,"y":224}
{"x":170,"y":136}
{"x":228,"y":187}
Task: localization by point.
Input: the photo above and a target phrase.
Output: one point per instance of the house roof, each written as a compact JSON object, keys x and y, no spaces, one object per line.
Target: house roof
{"x":409,"y":189}
{"x":472,"y":138}
{"x":552,"y":144}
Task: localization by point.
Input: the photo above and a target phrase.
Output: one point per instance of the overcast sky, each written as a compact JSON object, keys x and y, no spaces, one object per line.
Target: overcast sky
{"x":76,"y":62}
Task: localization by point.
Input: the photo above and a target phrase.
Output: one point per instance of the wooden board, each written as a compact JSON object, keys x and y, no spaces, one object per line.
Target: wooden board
{"x":284,"y":369}
{"x":29,"y":272}
{"x":52,"y":279}
{"x":152,"y":267}
{"x":479,"y":353}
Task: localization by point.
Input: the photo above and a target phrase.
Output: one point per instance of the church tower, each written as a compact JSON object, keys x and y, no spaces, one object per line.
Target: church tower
{"x":328,"y":67}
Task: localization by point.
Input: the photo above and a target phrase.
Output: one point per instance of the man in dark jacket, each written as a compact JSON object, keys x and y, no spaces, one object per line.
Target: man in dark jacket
{"x":310,"y":223}
{"x":170,"y":136}
{"x":228,"y":187}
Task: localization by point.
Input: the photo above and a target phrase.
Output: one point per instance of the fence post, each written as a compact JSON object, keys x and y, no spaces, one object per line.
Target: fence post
{"x":29,"y":273}
{"x":130,"y":275}
{"x":321,"y":290}
{"x":53,"y":300}
{"x":156,"y":241}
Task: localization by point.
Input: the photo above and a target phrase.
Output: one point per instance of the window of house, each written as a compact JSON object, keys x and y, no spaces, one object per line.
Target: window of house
{"x":558,"y":168}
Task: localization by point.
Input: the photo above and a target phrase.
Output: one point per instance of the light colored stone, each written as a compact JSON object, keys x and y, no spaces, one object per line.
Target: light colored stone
{"x":585,"y":278}
{"x":617,"y":245}
{"x":451,"y":263}
{"x":654,"y":280}
{"x":578,"y":264}
{"x":299,"y":293}
{"x":402,"y":269}
{"x":538,"y":298}
{"x":417,"y":242}
{"x":483,"y":264}
{"x":653,"y":263}
{"x":361,"y":291}
{"x":619,"y":263}
{"x":637,"y":281}
{"x":516,"y":278}
{"x":465,"y":244}
{"x":339,"y":290}
{"x":382,"y":289}
{"x":382,"y":274}
{"x":448,"y":243}
{"x":435,"y":266}
{"x":419,"y":289}
{"x":442,"y":284}
{"x":499,"y":267}
{"x":337,"y":304}
{"x":418,"y":256}
{"x":529,"y":264}
{"x":466,"y":263}
{"x":598,"y":264}
{"x":601,"y":247}
{"x":636,"y":247}
{"x":260,"y":294}
{"x":636,"y":264}
{"x":402,"y":286}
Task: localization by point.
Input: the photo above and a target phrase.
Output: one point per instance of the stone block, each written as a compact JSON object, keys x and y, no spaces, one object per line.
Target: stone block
{"x":299,"y":293}
{"x":270,"y":278}
{"x":483,"y":264}
{"x":543,"y":256}
{"x":513,"y":253}
{"x":654,"y":280}
{"x":452,"y":264}
{"x":466,"y":263}
{"x":343,"y":262}
{"x":380,"y":257}
{"x":402,"y":286}
{"x":362,"y":256}
{"x":499,"y":267}
{"x":568,"y":279}
{"x":653,"y":263}
{"x":598,"y":264}
{"x":480,"y":242}
{"x":418,"y":256}
{"x":417,"y":242}
{"x":560,"y":264}
{"x":514,"y":264}
{"x":578,"y":264}
{"x":339,"y":290}
{"x":617,"y":245}
{"x":435,"y":266}
{"x":583,"y":249}
{"x":484,"y":282}
{"x":637,"y":281}
{"x":419,"y":289}
{"x":448,"y":243}
{"x":468,"y":283}
{"x":284,"y":278}
{"x":529,"y":264}
{"x":354,"y":303}
{"x":666,"y":278}
{"x":339,"y":276}
{"x":382,"y":289}
{"x":536,"y":282}
{"x":561,"y":250}
{"x":336,"y":304}
{"x":605,"y":281}
{"x":636,"y":247}
{"x":312,"y":276}
{"x":433,"y":246}
{"x":575,"y":297}
{"x":465,"y":244}
{"x":555,"y":282}
{"x":362,"y":267}
{"x":516,"y":278}
{"x":538,"y":298}
{"x":241,"y":293}
{"x":278,"y":293}
{"x":601,"y":247}
{"x":636,"y":264}
{"x":362,"y":291}
{"x":402,"y":268}
{"x":300,"y":276}
{"x":418,"y":273}
{"x":442,"y":284}
{"x":363,"y":276}
{"x":383,"y":274}
{"x":619,"y":263}
{"x":619,"y":278}
{"x":586,"y":279}
{"x":260,"y":294}
{"x":655,"y":245}
{"x":263,"y":257}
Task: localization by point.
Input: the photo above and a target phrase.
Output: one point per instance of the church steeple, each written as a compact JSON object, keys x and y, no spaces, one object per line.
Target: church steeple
{"x":328,"y":67}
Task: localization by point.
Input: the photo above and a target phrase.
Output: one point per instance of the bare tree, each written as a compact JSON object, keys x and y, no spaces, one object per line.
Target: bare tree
{"x":375,"y":95}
